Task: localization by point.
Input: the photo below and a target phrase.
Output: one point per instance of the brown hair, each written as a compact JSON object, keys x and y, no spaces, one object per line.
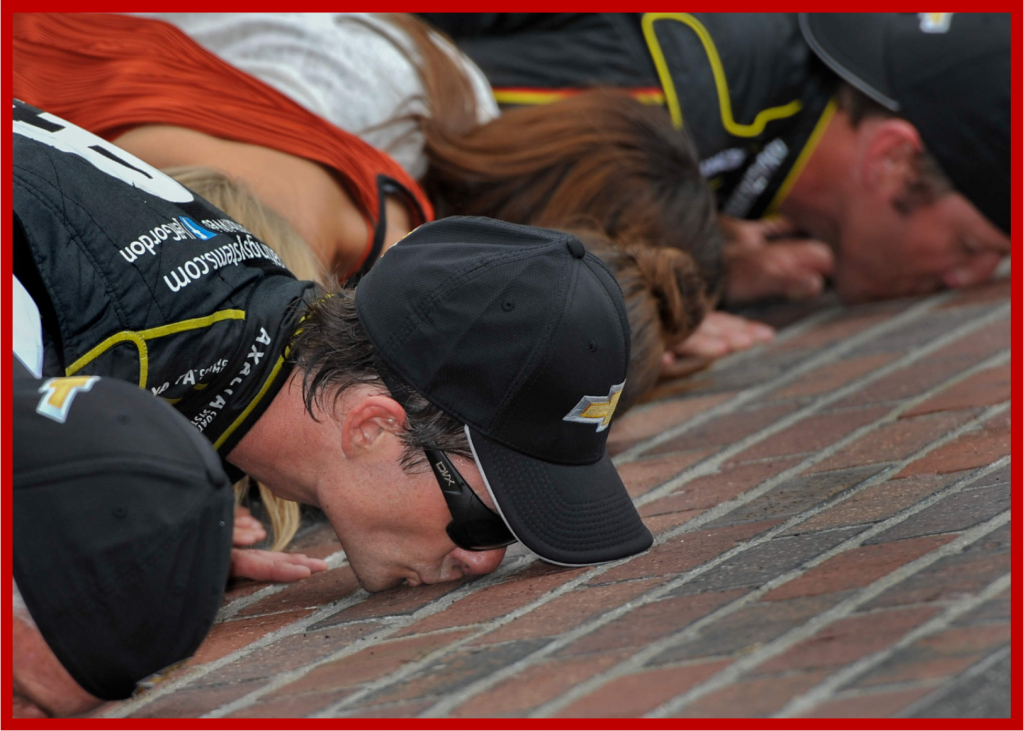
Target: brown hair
{"x":239,"y":203}
{"x":599,"y":159}
{"x":929,"y":182}
{"x":665,"y":302}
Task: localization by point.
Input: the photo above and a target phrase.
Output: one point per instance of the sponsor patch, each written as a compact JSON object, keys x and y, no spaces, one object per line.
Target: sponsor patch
{"x":596,"y":409}
{"x":59,"y":393}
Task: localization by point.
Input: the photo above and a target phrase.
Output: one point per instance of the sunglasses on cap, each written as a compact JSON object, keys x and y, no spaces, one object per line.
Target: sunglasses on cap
{"x":474,"y":526}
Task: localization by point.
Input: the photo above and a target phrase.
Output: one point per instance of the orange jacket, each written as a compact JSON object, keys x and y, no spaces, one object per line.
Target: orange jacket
{"x":110,"y":73}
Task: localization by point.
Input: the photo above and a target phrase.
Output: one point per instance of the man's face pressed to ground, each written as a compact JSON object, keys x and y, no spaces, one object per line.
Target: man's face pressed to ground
{"x":885,"y":252}
{"x":393,"y":531}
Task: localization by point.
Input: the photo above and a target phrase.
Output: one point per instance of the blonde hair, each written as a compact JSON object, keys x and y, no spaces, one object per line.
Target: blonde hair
{"x":238,"y":202}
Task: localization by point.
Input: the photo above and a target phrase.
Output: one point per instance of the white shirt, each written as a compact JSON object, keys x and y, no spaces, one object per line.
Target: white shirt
{"x":345,"y":67}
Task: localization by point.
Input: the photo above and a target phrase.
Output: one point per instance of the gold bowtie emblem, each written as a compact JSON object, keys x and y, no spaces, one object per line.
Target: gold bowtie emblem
{"x":596,"y":409}
{"x":59,"y":393}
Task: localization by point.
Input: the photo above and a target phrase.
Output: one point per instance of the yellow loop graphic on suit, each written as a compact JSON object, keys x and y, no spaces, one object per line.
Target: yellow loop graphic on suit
{"x":139,"y":340}
{"x":721,"y":83}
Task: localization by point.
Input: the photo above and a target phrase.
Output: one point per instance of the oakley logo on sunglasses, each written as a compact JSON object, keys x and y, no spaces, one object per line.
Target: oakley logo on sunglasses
{"x":445,"y":474}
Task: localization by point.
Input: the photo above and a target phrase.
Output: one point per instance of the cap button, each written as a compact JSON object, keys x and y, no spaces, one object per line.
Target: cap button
{"x":576,"y":248}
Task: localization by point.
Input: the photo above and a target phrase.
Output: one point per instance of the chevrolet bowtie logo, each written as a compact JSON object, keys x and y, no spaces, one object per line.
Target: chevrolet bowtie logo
{"x":596,"y":409}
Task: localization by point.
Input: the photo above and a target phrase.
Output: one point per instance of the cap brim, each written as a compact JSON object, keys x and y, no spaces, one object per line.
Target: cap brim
{"x":571,"y":515}
{"x":853,"y":46}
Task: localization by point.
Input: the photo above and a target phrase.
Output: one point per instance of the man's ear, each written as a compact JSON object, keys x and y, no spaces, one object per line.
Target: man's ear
{"x":367,"y":422}
{"x":889,"y":148}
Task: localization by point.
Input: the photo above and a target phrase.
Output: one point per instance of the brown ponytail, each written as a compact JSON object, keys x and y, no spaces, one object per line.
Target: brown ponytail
{"x":599,"y":159}
{"x":665,"y":302}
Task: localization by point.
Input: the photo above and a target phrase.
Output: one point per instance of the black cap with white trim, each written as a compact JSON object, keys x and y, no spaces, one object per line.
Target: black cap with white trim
{"x":522,"y":335}
{"x":946,"y":73}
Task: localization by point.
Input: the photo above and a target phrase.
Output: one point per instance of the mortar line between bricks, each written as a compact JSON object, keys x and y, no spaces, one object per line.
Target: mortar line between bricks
{"x":796,"y":329}
{"x":823,"y":357}
{"x":174,"y":684}
{"x":711,"y":464}
{"x":814,"y":625}
{"x":896,"y":686}
{"x":187,"y":676}
{"x":334,"y":561}
{"x":394,"y":625}
{"x":201,"y":671}
{"x":411,"y":668}
{"x":454,"y":700}
{"x":826,"y":689}
{"x":946,"y":688}
{"x":691,"y":631}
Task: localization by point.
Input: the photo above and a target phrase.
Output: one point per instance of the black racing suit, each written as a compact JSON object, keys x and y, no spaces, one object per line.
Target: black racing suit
{"x":745,"y":85}
{"x":136,"y":278}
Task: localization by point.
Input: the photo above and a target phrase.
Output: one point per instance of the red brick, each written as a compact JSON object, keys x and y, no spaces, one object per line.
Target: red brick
{"x":856,"y":567}
{"x":727,"y":429}
{"x":875,"y":503}
{"x":294,"y":651}
{"x":905,"y":383}
{"x":982,"y":638}
{"x":642,"y":475}
{"x":649,"y":623}
{"x":494,"y":601}
{"x":979,"y":344}
{"x":634,"y":695}
{"x":893,"y":441}
{"x":872,"y":705}
{"x":394,"y":602}
{"x":952,"y":514}
{"x":797,"y":495}
{"x":841,"y":328}
{"x":943,"y":654}
{"x":985,"y":388}
{"x":684,"y":552}
{"x":749,"y":628}
{"x":320,"y":542}
{"x":397,"y":710}
{"x":811,"y":434}
{"x":976,"y":448}
{"x":953,"y":577}
{"x":297,"y":706}
{"x":831,"y":376}
{"x":757,"y":697}
{"x":455,"y":670}
{"x":241,"y":588}
{"x":995,"y":291}
{"x":711,"y":490}
{"x":567,"y":611}
{"x":644,"y":422}
{"x":316,"y":591}
{"x":849,"y":639}
{"x":367,"y":664}
{"x":659,"y":524}
{"x":227,"y":637}
{"x":192,"y":702}
{"x":536,"y":685}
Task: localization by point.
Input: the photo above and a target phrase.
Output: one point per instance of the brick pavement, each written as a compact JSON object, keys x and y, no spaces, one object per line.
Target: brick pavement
{"x":832,"y":523}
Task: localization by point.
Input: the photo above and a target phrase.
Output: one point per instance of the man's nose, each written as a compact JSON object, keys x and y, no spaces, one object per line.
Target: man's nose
{"x":477,"y":563}
{"x":976,"y":270}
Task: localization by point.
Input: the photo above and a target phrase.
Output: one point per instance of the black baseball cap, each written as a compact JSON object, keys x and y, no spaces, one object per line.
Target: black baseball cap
{"x":122,"y":527}
{"x":948,"y":74}
{"x":522,"y":335}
